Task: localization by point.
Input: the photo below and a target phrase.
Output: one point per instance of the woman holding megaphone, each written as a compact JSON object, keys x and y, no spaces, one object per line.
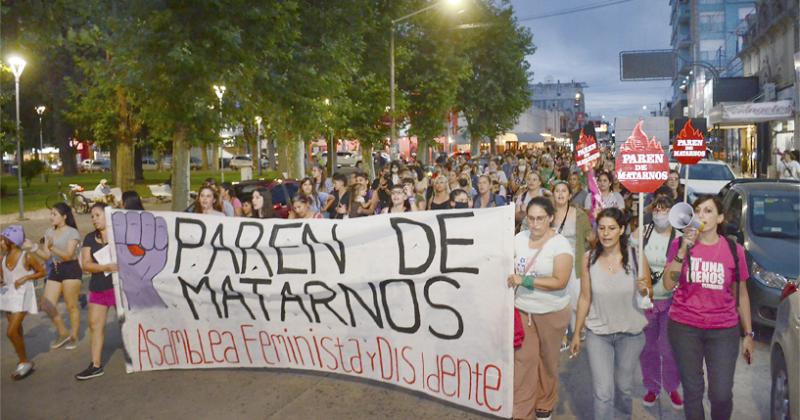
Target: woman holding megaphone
{"x":705,"y":271}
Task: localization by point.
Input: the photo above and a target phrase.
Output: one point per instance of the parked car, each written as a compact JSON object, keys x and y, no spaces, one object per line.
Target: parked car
{"x":343,"y":159}
{"x":785,"y":357}
{"x":706,"y":177}
{"x":283,"y":191}
{"x":100,"y":165}
{"x":149,"y":164}
{"x":763,"y":218}
{"x":241,"y":161}
{"x":195,"y":163}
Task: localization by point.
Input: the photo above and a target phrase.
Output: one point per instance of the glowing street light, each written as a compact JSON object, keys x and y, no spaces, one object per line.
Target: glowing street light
{"x":17,"y":65}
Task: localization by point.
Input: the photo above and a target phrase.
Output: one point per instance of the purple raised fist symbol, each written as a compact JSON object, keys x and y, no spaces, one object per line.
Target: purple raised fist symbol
{"x":141,"y":242}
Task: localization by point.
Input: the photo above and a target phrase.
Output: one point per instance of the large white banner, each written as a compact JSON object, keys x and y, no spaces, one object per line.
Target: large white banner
{"x":417,"y":300}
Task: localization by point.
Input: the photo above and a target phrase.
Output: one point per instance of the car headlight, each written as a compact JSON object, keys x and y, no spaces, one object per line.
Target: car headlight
{"x":768,"y":278}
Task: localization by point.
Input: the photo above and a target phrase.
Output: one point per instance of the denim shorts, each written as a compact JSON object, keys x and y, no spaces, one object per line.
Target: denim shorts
{"x":68,"y":270}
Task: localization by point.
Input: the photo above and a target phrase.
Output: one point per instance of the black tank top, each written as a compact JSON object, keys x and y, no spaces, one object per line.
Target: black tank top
{"x":440,"y":206}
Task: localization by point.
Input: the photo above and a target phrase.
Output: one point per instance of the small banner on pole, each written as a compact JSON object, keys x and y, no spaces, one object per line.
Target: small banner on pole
{"x":690,"y":145}
{"x":586,"y":152}
{"x":417,"y":300}
{"x":641,"y":164}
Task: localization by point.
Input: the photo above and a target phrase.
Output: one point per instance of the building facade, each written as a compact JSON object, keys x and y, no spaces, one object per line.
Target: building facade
{"x":565,"y":99}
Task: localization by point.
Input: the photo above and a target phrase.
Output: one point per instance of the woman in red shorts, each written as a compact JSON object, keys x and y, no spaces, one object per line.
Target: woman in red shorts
{"x":101,"y":289}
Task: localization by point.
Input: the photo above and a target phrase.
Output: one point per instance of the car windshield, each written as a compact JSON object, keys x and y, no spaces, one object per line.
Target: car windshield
{"x":775,"y":215}
{"x":708,"y":172}
{"x":279,"y":193}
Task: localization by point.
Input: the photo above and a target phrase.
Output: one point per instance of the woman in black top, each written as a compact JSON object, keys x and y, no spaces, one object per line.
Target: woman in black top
{"x":101,"y":288}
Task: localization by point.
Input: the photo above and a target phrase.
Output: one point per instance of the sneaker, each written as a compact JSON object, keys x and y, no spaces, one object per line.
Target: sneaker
{"x":72,"y":344}
{"x":90,"y":372}
{"x":676,"y":400}
{"x":60,"y":341}
{"x":23,"y":370}
{"x":543,"y":414}
{"x":649,"y":400}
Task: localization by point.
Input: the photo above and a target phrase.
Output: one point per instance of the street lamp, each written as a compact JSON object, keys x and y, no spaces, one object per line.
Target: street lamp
{"x":219,"y":90}
{"x":17,"y":66}
{"x":393,"y":133}
{"x":40,"y":110}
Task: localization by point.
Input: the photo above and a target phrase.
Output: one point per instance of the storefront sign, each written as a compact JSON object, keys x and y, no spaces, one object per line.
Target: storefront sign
{"x":417,"y":300}
{"x":690,"y":145}
{"x":757,"y":111}
{"x":586,"y":152}
{"x":642,"y":165}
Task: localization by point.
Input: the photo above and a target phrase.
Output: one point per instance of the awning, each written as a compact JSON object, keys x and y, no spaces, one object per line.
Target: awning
{"x":750,"y":112}
{"x":528,"y":137}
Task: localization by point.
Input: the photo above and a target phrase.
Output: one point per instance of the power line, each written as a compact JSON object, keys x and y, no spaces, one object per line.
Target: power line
{"x":575,"y":9}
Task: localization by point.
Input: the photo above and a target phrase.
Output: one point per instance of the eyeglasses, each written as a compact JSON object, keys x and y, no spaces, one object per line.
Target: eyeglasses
{"x":537,"y":219}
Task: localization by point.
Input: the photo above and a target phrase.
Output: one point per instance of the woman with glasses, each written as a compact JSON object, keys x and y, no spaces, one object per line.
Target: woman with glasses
{"x":544,"y":264}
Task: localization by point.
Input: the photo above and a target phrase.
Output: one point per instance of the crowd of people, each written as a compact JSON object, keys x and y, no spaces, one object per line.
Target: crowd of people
{"x":578,"y":283}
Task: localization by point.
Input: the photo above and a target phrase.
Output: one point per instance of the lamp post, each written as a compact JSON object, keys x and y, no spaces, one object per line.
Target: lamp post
{"x":40,"y":110}
{"x":393,"y":133}
{"x":258,"y":143}
{"x":219,"y":90}
{"x":17,"y":66}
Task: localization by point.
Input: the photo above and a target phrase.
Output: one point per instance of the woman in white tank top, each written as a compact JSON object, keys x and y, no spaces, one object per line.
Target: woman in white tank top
{"x":17,"y":297}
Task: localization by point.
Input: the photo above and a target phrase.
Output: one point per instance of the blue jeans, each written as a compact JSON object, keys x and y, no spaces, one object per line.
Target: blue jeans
{"x":612,"y":360}
{"x":720,"y":349}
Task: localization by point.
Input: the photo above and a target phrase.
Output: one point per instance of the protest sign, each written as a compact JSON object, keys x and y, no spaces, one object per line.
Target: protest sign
{"x":586,"y":152}
{"x":418,"y":300}
{"x":690,"y":145}
{"x":641,"y":164}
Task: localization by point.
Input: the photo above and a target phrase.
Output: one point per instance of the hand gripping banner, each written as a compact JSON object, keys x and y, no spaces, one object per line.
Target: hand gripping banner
{"x":418,"y":300}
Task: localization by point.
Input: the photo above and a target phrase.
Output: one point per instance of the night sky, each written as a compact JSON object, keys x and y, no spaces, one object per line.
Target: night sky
{"x":585,"y":46}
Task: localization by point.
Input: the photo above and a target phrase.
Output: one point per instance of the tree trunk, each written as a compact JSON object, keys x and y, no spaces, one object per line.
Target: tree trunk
{"x":124,"y":159}
{"x":423,"y":148}
{"x":493,"y":145}
{"x":180,"y":170}
{"x":474,"y":144}
{"x":204,"y":156}
{"x":331,"y":164}
{"x":138,"y":171}
{"x":215,"y":156}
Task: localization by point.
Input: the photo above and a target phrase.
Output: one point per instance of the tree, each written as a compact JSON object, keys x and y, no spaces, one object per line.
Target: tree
{"x":497,"y":91}
{"x":174,"y":51}
{"x":432,"y":77}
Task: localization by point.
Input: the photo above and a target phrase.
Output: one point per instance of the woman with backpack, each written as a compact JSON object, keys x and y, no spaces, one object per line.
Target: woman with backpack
{"x":709,"y":303}
{"x":658,"y":364}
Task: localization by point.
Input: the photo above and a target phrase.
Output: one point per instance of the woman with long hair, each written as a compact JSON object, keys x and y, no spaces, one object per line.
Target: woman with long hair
{"x":675,"y":186}
{"x":609,"y":197}
{"x":440,"y":199}
{"x":262,"y":204}
{"x":318,"y":200}
{"x":531,"y":189}
{"x":131,"y":201}
{"x":544,"y":264}
{"x":610,"y":310}
{"x":301,"y":209}
{"x":707,"y":272}
{"x":61,"y":243}
{"x":230,"y":204}
{"x":659,"y":370}
{"x":208,"y":202}
{"x":18,"y":297}
{"x":321,"y":182}
{"x":101,"y":289}
{"x":572,"y":223}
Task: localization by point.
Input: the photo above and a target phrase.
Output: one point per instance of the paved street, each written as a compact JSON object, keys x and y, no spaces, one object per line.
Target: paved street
{"x":264,"y":393}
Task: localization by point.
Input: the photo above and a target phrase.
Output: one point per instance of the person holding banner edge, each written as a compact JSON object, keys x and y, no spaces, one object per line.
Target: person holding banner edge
{"x":544,"y":265}
{"x":709,"y":305}
{"x":101,"y":289}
